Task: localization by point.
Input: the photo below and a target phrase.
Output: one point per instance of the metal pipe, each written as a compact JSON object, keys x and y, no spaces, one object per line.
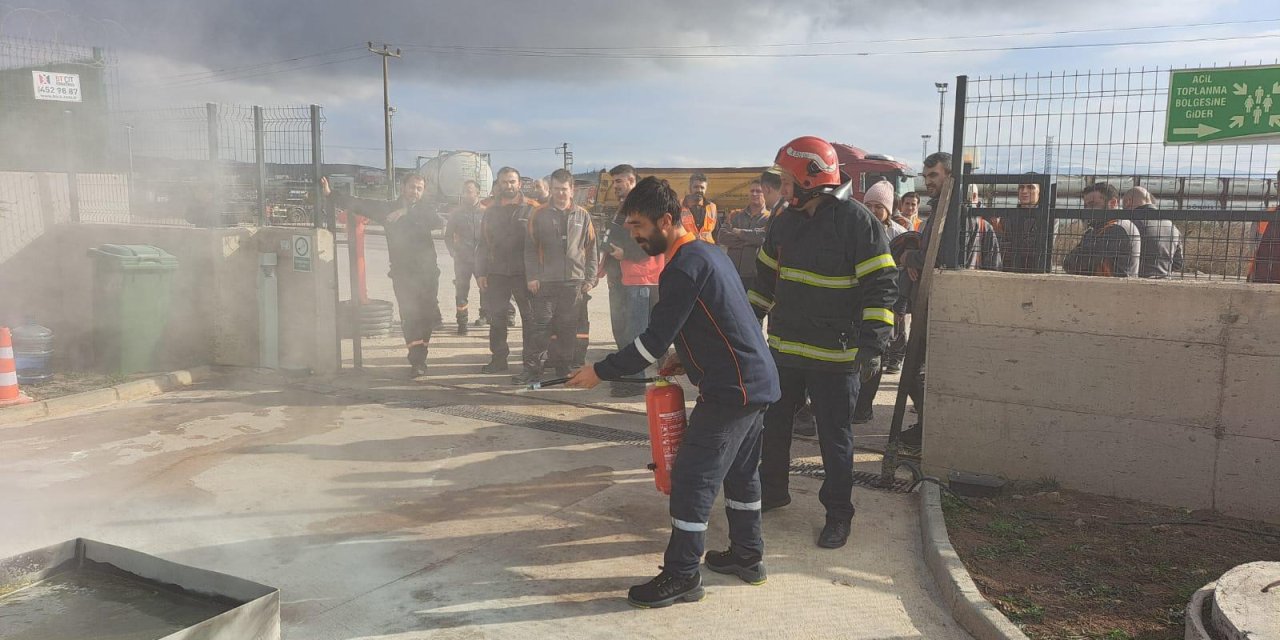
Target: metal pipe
{"x":268,"y":312}
{"x":260,"y":158}
{"x":952,"y":236}
{"x":942,"y":93}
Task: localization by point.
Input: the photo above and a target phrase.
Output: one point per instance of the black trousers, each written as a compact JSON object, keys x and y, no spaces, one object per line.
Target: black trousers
{"x":417,"y":297}
{"x":832,"y":395}
{"x":502,"y":290}
{"x":721,"y":446}
{"x":556,"y":314}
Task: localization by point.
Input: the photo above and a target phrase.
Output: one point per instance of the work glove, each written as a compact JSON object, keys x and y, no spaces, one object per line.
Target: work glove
{"x":866,"y":364}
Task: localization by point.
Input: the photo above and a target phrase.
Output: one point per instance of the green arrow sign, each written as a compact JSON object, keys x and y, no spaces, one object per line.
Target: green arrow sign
{"x":1238,"y":105}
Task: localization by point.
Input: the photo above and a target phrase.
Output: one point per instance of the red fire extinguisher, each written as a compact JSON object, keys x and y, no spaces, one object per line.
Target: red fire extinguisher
{"x":664,"y":402}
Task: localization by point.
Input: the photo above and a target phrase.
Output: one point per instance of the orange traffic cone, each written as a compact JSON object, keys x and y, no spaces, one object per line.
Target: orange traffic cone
{"x":9,"y":392}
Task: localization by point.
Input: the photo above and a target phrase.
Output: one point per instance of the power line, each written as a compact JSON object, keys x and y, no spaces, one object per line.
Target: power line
{"x":232,"y":73}
{"x":184,"y":85}
{"x":534,"y":53}
{"x":1016,"y":34}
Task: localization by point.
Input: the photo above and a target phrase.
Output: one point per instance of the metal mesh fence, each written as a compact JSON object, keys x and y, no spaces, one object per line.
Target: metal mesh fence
{"x":1033,"y":144}
{"x":207,"y":165}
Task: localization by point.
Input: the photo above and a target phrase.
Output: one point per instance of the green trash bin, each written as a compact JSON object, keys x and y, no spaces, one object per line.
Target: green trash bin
{"x":131,"y":294}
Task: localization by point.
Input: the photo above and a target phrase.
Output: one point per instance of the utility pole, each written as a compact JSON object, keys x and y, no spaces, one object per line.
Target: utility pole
{"x":924,"y":147}
{"x":563,"y":150}
{"x":942,"y":93}
{"x":387,"y":54}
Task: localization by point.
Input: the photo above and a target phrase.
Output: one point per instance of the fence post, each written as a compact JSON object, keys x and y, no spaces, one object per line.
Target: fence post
{"x":318,"y":216}
{"x":73,"y":171}
{"x":953,"y":234}
{"x":260,"y":157}
{"x":215,"y":172}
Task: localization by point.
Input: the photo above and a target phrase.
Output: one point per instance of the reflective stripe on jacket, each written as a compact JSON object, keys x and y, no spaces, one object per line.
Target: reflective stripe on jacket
{"x":827,"y":283}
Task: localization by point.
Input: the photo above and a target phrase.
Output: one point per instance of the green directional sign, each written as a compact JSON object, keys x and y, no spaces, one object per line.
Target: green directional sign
{"x":1238,"y":105}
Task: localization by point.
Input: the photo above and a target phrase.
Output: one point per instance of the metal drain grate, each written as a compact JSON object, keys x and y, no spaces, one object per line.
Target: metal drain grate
{"x":808,"y":469}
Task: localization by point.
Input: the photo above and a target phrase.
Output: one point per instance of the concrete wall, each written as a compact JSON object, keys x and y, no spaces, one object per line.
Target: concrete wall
{"x":214,"y":316}
{"x":1162,"y":391}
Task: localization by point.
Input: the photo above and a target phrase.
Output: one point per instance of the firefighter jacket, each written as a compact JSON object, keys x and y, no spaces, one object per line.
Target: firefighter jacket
{"x":561,"y":246}
{"x":703,"y":310}
{"x":741,"y":236}
{"x":1113,"y":249}
{"x":827,"y":283}
{"x":503,"y":230}
{"x":462,"y":233}
{"x":699,"y":219}
{"x":1161,"y":247}
{"x":410,"y":246}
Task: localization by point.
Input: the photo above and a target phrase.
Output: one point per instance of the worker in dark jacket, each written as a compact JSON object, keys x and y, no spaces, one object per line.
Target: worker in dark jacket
{"x":742,"y":233}
{"x":827,"y":283}
{"x":1021,"y":236}
{"x":462,"y":239}
{"x":703,"y":310}
{"x":560,"y":261}
{"x":1110,"y":248}
{"x":415,"y":274}
{"x":500,"y":265}
{"x":1161,"y":241}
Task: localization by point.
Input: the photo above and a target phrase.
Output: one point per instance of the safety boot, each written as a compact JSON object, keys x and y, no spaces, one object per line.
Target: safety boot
{"x":750,"y":570}
{"x":665,"y":590}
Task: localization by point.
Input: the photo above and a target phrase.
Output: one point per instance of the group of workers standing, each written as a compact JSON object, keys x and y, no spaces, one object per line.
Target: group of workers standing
{"x":794,"y":303}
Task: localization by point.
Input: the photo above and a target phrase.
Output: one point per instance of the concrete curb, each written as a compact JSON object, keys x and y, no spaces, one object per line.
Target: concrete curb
{"x":100,"y":398}
{"x":961,"y":596}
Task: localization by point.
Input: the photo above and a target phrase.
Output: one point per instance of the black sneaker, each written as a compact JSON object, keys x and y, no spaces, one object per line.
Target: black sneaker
{"x":893,"y":367}
{"x":751,"y":570}
{"x":563,"y":372}
{"x":494,"y":366}
{"x":768,"y":504}
{"x":462,"y":327}
{"x":863,"y":418}
{"x":480,"y":322}
{"x":417,"y":370}
{"x":525,"y":377}
{"x":665,"y":590}
{"x":834,"y":534}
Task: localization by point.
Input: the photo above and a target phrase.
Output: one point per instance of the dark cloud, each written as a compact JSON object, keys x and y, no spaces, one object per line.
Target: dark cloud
{"x":232,"y":33}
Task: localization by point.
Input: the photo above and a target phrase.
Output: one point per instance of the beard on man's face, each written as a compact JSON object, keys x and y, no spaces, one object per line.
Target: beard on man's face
{"x":653,"y":244}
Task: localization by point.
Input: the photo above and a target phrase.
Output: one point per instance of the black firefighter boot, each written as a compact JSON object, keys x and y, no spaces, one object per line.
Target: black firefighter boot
{"x":462,"y":323}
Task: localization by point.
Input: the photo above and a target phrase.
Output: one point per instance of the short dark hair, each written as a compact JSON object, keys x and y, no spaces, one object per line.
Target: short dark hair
{"x":771,"y":180}
{"x":414,"y":177}
{"x":652,"y":198}
{"x":697,"y":177}
{"x":622,"y":170}
{"x":909,"y":194}
{"x":1108,"y":190}
{"x":507,"y":170}
{"x":939,"y":158}
{"x":754,"y":183}
{"x":562,"y":176}
{"x":472,"y":182}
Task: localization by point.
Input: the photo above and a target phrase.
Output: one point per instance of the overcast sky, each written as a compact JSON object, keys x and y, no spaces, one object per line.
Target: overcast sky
{"x":662,"y":83}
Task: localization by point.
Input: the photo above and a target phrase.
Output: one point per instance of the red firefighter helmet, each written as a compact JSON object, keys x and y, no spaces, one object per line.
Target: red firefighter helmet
{"x":811,"y":162}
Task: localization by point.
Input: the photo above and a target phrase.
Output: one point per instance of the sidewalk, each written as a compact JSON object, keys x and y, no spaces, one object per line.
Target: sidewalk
{"x":455,"y":507}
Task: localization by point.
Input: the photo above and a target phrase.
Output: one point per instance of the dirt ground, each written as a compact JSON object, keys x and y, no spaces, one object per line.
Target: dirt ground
{"x":1068,"y":565}
{"x":63,"y":384}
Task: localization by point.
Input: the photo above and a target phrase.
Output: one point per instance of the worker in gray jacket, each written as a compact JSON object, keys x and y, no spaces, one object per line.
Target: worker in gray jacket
{"x":560,"y":265}
{"x":1161,"y":241}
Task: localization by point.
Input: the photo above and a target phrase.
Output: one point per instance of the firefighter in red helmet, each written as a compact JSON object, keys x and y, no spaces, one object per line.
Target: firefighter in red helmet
{"x":827,"y":283}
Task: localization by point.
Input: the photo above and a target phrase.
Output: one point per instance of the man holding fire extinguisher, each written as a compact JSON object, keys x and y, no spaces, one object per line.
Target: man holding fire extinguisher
{"x":703,"y":310}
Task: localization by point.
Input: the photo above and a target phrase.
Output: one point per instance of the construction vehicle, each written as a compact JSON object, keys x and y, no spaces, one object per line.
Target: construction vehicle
{"x":727,"y":186}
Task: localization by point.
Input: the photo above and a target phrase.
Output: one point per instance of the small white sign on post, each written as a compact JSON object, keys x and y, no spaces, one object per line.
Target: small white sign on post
{"x":50,"y":85}
{"x":302,"y":254}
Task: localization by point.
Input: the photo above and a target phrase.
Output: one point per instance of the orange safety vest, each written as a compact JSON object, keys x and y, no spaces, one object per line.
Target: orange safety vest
{"x":708,"y":223}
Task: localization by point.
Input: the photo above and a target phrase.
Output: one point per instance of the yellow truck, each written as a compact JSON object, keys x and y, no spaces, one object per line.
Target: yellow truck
{"x":727,"y":186}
